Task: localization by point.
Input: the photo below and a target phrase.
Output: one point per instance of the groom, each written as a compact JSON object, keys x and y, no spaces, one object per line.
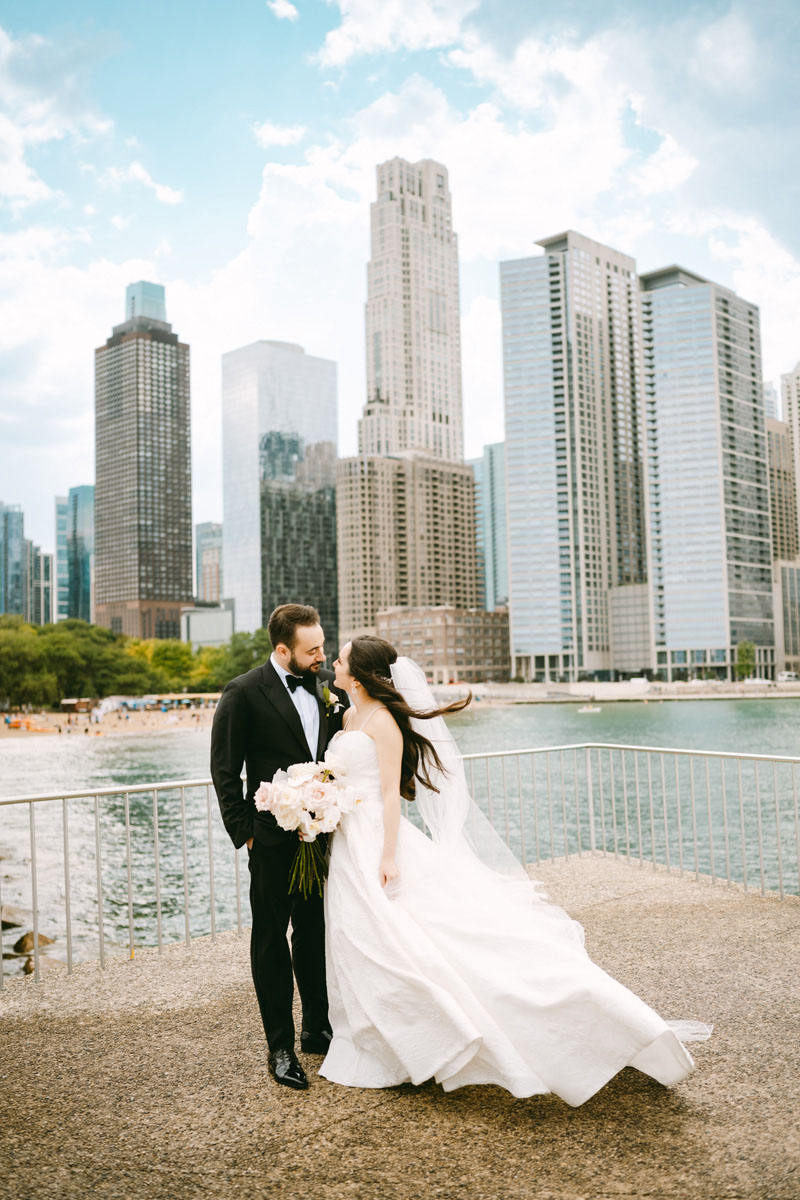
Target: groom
{"x":283,"y":712}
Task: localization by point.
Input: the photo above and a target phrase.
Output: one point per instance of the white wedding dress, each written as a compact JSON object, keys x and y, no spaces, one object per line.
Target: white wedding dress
{"x":466,"y":977}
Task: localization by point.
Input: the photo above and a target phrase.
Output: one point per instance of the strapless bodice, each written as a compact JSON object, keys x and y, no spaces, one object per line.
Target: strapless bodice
{"x":357,"y":752}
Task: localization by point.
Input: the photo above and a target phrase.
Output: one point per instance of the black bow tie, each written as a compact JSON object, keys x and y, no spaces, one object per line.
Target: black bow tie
{"x":293,"y":682}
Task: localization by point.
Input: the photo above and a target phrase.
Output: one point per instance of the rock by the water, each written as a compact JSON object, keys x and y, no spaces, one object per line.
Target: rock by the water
{"x":11,"y":917}
{"x":24,"y":945}
{"x":45,"y":964}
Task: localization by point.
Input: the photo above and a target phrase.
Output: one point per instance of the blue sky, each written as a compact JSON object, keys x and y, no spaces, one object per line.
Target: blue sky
{"x":228,"y":152}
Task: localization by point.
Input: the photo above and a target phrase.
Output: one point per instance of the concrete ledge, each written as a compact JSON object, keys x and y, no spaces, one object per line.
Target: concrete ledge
{"x":150,"y":1079}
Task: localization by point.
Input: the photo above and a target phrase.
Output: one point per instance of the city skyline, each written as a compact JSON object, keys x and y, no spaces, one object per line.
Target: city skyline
{"x":629,"y":126}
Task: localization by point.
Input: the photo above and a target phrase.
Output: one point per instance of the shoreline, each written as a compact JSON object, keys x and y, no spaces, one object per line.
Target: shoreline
{"x":488,"y":695}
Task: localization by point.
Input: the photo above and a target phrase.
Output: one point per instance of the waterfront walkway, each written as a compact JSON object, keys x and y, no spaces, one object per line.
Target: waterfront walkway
{"x":149,"y":1080}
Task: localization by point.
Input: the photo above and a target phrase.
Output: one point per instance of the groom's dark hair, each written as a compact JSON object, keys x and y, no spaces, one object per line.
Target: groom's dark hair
{"x":285,"y":620}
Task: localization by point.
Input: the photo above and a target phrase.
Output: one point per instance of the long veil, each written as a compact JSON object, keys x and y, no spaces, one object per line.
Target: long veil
{"x":451,"y":815}
{"x":457,"y":824}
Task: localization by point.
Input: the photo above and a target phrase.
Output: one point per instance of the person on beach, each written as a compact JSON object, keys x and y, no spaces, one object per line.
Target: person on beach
{"x":282,"y":712}
{"x":443,"y":960}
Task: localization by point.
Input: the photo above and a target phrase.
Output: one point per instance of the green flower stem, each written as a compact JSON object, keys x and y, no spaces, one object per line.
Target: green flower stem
{"x":309,"y":869}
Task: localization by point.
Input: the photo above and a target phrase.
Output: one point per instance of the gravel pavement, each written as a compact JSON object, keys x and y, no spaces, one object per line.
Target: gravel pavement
{"x":149,"y":1079}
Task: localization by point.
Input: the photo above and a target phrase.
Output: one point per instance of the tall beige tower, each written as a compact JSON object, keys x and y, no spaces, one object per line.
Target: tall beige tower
{"x":405,"y":504}
{"x":790,"y":391}
{"x":413,"y":338}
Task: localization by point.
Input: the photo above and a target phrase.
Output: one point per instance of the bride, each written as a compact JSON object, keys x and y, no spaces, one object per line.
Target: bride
{"x":443,"y":961}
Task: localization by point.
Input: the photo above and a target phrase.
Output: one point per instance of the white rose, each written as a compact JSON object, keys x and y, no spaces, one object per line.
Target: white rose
{"x":330,"y":819}
{"x":302,"y":772}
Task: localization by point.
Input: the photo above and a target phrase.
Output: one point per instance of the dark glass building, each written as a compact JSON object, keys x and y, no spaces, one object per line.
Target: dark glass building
{"x":143,"y":497}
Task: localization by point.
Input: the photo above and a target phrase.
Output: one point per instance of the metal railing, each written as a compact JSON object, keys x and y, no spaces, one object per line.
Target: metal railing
{"x":124,"y":867}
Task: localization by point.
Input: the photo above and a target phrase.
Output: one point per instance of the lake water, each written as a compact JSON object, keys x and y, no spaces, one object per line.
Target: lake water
{"x":681,"y":811}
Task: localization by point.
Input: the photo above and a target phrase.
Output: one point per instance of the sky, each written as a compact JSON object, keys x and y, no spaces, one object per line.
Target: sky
{"x":228,"y":151}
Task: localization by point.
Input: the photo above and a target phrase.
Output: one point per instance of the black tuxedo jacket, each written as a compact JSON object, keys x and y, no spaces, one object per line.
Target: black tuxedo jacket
{"x":256,"y":724}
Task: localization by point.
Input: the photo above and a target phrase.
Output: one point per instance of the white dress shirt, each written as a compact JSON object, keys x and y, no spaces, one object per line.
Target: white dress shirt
{"x":306,"y":705}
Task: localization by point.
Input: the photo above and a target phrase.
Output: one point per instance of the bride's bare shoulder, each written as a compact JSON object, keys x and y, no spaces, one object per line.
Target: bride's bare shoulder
{"x":384,"y":728}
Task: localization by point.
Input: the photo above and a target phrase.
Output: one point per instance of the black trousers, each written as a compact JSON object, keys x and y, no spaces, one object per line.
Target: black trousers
{"x":271,"y":961}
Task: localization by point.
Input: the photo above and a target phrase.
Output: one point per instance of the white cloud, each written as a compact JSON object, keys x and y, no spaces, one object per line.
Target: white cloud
{"x":90,"y":210}
{"x":38,"y":96}
{"x":136,"y":173}
{"x":120,"y":222}
{"x":368,"y":27}
{"x":665,"y":170}
{"x":284,"y":10}
{"x":268,"y":134}
{"x":725,"y":56}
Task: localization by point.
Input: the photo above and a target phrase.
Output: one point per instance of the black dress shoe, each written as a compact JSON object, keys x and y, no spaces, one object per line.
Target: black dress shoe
{"x":316,"y":1043}
{"x":284,"y":1068}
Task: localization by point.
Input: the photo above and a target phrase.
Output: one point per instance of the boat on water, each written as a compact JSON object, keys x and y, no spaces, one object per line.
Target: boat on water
{"x":590,"y":708}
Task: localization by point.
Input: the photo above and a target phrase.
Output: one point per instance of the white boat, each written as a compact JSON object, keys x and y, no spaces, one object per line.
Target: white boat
{"x":590,"y":708}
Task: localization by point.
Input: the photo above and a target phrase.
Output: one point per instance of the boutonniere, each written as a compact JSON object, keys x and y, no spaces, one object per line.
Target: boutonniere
{"x":332,"y":703}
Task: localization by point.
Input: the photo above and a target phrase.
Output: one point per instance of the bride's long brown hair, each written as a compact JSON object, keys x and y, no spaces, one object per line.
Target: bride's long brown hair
{"x":370,"y":663}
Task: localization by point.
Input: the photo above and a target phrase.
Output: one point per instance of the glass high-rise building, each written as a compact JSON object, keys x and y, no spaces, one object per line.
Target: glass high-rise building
{"x":143,"y":489}
{"x":279,"y":436}
{"x":60,"y":561}
{"x":38,"y":585}
{"x":707,"y":476}
{"x":208,"y":561}
{"x":490,"y":524}
{"x":413,"y":325}
{"x":577,"y":521}
{"x":80,"y":552}
{"x":13,"y":565}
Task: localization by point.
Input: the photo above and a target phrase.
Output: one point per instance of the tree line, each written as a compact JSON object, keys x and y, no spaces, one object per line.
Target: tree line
{"x":42,"y":664}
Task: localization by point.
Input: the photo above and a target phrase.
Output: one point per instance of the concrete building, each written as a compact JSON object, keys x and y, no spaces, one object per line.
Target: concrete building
{"x":790,"y":397}
{"x":143,"y":497}
{"x":207,"y":626}
{"x":577,"y":501}
{"x":279,"y":423}
{"x":208,"y":561}
{"x":708,"y":478}
{"x":60,"y":559}
{"x":490,"y":524}
{"x":450,"y":644}
{"x":782,"y":491}
{"x":413,"y":338}
{"x":13,"y":566}
{"x":406,"y":536}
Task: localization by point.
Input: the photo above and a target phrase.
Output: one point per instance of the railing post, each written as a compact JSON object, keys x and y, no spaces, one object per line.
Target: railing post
{"x":67,"y":889}
{"x":34,"y":895}
{"x":590,"y":800}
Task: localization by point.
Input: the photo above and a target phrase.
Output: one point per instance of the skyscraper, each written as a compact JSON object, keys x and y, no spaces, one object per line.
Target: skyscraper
{"x":12,"y":560}
{"x":61,"y":564}
{"x":279,"y":434}
{"x":782,"y":491}
{"x":577,"y":545}
{"x":413,"y":339}
{"x":80,"y":552}
{"x":790,"y":394}
{"x":490,"y":523}
{"x":143,"y":504}
{"x":208,"y":561}
{"x":707,"y":476}
{"x":38,"y":585}
{"x":405,"y":505}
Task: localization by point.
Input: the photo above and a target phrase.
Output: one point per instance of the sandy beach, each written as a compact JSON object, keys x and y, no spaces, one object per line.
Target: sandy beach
{"x":84,"y":725}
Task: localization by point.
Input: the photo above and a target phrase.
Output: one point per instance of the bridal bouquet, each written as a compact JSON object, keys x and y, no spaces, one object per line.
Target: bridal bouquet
{"x":312,"y":799}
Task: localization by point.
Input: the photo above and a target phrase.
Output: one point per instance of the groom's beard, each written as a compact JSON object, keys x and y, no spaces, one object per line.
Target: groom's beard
{"x":296,"y":669}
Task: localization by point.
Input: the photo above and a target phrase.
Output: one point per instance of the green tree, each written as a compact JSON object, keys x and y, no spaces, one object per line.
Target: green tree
{"x":745,"y":660}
